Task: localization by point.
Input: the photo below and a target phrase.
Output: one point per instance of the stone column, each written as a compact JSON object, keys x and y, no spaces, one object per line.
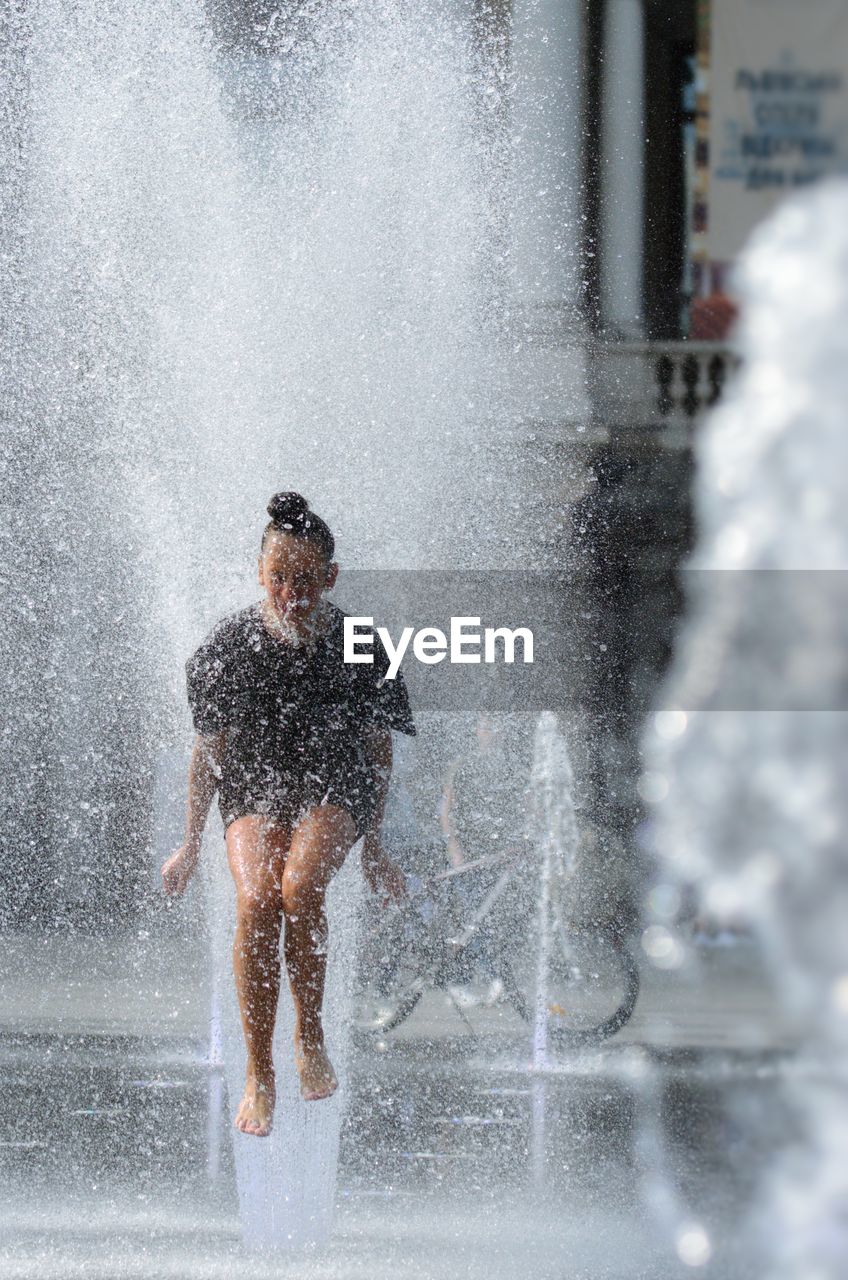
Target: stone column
{"x":622,"y":168}
{"x":547,"y":127}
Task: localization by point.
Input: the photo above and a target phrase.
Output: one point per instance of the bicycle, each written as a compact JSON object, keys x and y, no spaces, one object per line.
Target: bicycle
{"x":584,"y":987}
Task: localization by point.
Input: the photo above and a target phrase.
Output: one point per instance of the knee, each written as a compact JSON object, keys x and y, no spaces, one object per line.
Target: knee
{"x":259,"y":910}
{"x":301,"y":895}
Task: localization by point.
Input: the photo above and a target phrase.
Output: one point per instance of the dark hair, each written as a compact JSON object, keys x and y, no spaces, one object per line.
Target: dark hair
{"x":290,"y":514}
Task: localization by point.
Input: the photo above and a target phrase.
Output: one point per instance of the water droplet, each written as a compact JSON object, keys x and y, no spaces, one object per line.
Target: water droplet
{"x":662,"y":948}
{"x":653,"y":787}
{"x":839,"y":994}
{"x":664,"y":901}
{"x":693,"y":1246}
{"x":670,"y":724}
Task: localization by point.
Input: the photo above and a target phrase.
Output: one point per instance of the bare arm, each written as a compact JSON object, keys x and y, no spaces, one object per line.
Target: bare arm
{"x":203,"y":773}
{"x":454,"y":848}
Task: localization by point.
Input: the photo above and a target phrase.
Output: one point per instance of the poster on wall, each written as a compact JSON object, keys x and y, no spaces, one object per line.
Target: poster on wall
{"x":778,"y":108}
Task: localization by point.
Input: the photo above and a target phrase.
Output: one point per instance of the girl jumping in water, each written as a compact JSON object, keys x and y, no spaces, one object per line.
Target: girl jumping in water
{"x":298,"y":745}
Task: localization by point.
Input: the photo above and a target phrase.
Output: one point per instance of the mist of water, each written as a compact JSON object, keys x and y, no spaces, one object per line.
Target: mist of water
{"x":749,"y":753}
{"x":230,"y":274}
{"x":552,"y":785}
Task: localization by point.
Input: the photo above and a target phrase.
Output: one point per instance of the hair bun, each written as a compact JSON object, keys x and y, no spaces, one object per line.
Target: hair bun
{"x":288,"y":508}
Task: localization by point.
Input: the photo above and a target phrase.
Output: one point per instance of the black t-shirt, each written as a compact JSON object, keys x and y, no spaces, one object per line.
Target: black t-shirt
{"x":289,"y":713}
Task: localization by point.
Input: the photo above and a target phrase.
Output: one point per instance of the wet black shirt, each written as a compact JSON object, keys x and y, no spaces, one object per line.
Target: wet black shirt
{"x":294,"y":717}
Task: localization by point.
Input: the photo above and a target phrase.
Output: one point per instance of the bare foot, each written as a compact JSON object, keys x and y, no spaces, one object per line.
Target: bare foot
{"x":256,"y":1110}
{"x":317,"y":1077}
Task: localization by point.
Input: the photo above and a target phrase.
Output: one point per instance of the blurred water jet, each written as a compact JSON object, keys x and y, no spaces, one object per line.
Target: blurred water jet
{"x":751,"y":743}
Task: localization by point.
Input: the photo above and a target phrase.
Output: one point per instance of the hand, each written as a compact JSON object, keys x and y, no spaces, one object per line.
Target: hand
{"x":179,"y":869}
{"x":384,"y":878}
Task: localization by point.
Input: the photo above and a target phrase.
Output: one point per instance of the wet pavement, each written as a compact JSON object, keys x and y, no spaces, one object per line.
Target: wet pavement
{"x":457,"y":1159}
{"x":155,"y":985}
{"x":119,"y":1165}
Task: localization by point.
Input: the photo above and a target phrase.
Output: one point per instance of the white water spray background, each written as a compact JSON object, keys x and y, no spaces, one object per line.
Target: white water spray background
{"x":749,"y":755}
{"x":215,"y":296}
{"x":203,"y":310}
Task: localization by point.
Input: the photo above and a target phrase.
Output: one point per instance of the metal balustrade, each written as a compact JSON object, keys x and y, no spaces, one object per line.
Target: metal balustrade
{"x":662,"y":388}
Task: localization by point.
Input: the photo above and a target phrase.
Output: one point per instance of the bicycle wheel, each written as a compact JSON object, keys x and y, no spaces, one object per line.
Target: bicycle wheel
{"x":392,"y":977}
{"x":591,"y":986}
{"x":379,"y":1011}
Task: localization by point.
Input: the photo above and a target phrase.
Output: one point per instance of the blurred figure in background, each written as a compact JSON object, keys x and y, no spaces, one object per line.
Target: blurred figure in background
{"x":484,"y":815}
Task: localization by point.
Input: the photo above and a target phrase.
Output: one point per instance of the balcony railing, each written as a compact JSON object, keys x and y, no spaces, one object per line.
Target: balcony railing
{"x":660,"y":388}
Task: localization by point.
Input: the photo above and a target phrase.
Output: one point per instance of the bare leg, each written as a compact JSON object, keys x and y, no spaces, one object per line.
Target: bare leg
{"x":319,"y":845}
{"x":256,"y":851}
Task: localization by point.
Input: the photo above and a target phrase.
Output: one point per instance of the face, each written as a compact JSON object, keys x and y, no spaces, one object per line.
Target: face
{"x":294,"y":573}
